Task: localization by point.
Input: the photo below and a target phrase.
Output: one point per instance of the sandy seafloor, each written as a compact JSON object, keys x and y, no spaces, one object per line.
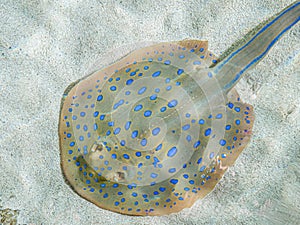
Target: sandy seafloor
{"x":46,"y":45}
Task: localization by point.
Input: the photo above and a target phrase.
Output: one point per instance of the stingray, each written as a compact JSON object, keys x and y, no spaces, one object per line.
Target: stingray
{"x":156,"y":130}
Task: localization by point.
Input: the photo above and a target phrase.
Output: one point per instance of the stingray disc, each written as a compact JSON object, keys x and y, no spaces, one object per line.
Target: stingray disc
{"x":153,"y":132}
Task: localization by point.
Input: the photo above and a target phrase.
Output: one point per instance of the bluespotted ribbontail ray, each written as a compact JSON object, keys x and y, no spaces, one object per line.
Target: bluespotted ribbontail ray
{"x":156,"y":130}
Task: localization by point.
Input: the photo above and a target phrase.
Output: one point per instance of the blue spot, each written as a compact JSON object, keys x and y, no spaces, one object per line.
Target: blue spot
{"x":156,"y":74}
{"x":222,"y":142}
{"x":162,"y":109}
{"x":181,"y":56}
{"x":211,"y":155}
{"x":110,"y":123}
{"x":237,"y":109}
{"x":113,"y":88}
{"x":130,"y":81}
{"x":174,"y":181}
{"x":114,"y":156}
{"x":172,"y":170}
{"x":102,"y":117}
{"x":201,"y":121}
{"x":214,"y":61}
{"x":70,"y":152}
{"x":138,"y":154}
{"x":125,"y":156}
{"x":146,"y":67}
{"x":191,"y":181}
{"x":127,"y":70}
{"x":95,"y":126}
{"x":186,"y":127}
{"x":117,"y":130}
{"x":105,"y":195}
{"x":153,"y":97}
{"x":207,"y":132}
{"x":127,"y":93}
{"x":219,"y":116}
{"x":172,"y":103}
{"x":117,"y":203}
{"x":201,"y":49}
{"x":186,"y":176}
{"x":132,"y":73}
{"x":85,"y":128}
{"x":188,"y":138}
{"x":72,"y":143}
{"x":147,"y":157}
{"x":82,"y":114}
{"x":153,"y":175}
{"x":138,"y":107}
{"x":199,"y":161}
{"x":134,"y":134}
{"x":180,"y":71}
{"x":158,"y":147}
{"x":228,"y":127}
{"x":96,"y":114}
{"x":144,"y":142}
{"x":237,"y":122}
{"x":120,"y":193}
{"x":196,"y":145}
{"x":196,"y":62}
{"x":155,"y":131}
{"x":127,"y":125}
{"x":134,"y":194}
{"x":162,"y":189}
{"x":209,"y":74}
{"x":172,"y":152}
{"x":167,"y":62}
{"x":230,"y":105}
{"x":142,"y":90}
{"x":147,"y":113}
{"x":122,"y":143}
{"x":157,"y":90}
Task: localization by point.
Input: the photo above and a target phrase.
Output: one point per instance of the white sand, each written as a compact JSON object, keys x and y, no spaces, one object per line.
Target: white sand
{"x":46,"y":45}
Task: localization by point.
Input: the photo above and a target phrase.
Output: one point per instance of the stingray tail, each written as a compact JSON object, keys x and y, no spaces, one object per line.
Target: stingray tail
{"x":253,"y":47}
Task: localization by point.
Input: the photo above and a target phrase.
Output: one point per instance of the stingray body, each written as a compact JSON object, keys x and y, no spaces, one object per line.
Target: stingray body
{"x":156,"y":130}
